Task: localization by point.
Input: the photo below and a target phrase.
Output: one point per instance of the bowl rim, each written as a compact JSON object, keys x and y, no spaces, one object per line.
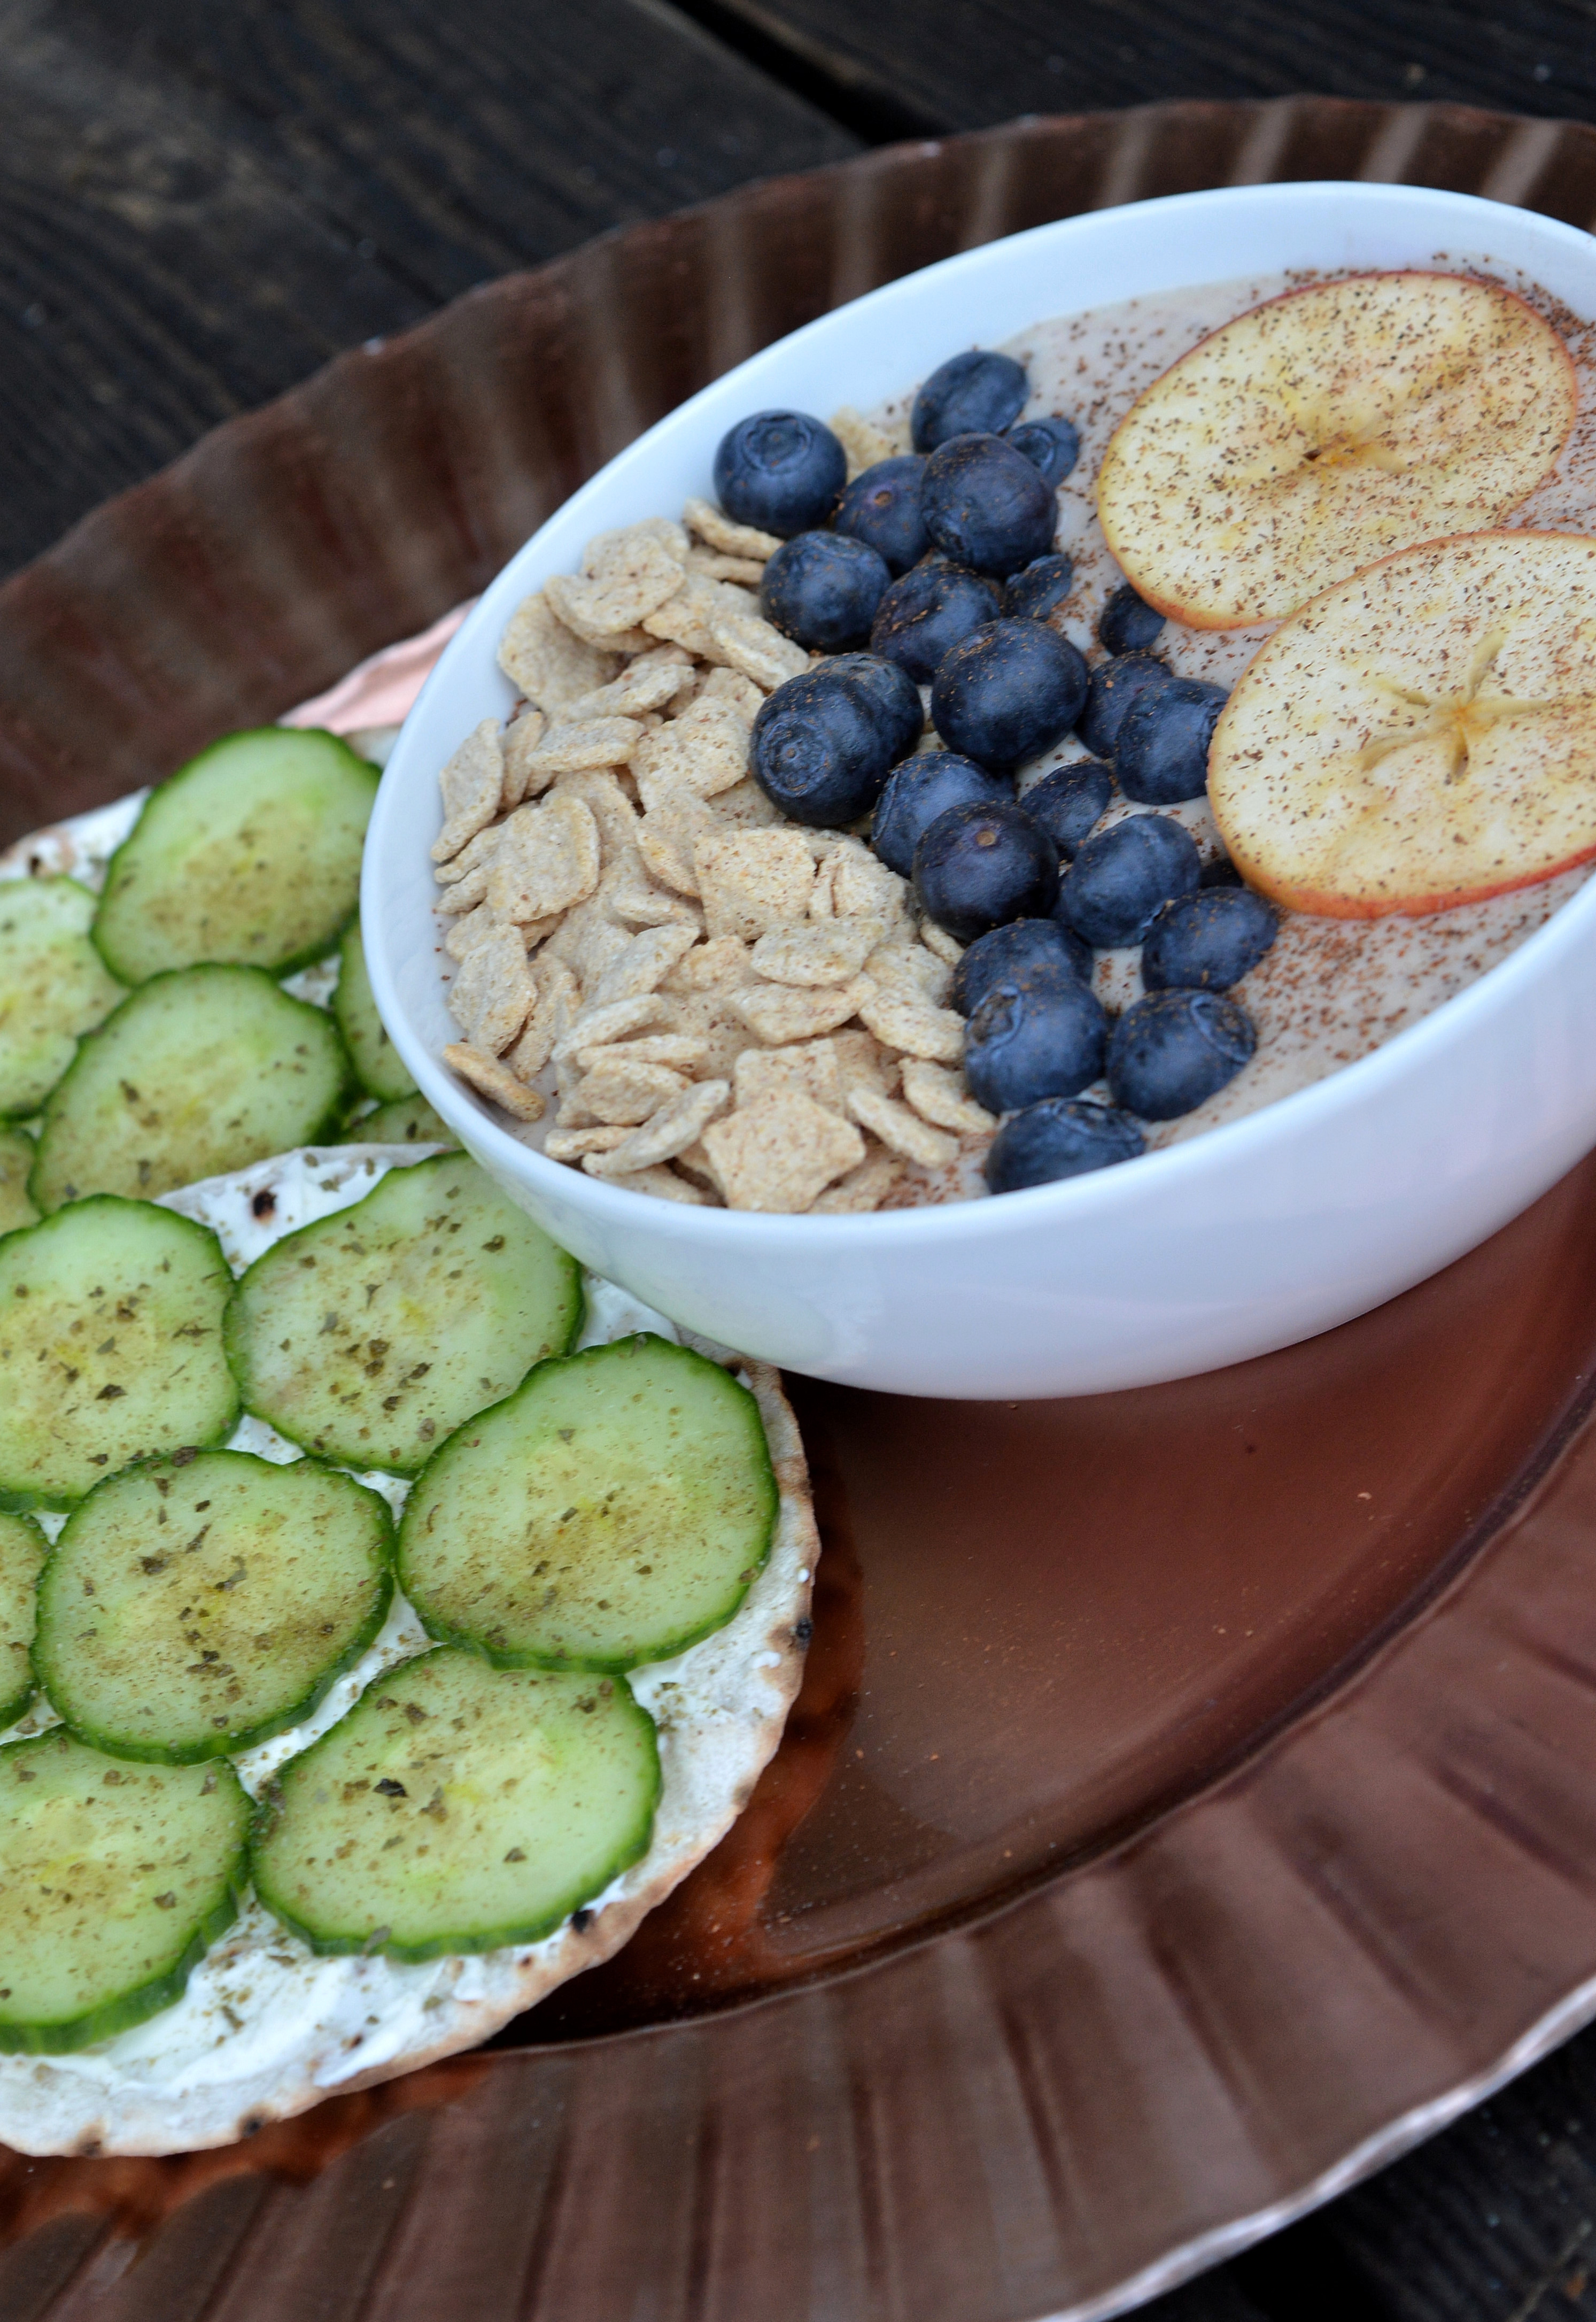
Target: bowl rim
{"x":1093,"y":1196}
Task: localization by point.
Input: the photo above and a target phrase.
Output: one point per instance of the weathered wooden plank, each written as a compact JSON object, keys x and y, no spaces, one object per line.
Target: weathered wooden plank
{"x":1496,"y":2219}
{"x":199,"y":206}
{"x":964,"y":64}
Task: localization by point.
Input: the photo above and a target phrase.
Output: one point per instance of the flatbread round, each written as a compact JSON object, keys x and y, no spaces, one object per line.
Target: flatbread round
{"x":267,"y":2029}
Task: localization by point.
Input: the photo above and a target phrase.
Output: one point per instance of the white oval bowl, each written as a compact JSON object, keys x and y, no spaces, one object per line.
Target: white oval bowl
{"x":1249,"y":1238}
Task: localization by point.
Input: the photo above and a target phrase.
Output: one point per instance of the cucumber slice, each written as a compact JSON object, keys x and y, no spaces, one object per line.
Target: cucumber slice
{"x":110,"y":1347}
{"x":375,"y":1058}
{"x":53,"y":986}
{"x":114,"y":1881}
{"x":249,"y":854}
{"x":374,"y":1332}
{"x":195,"y":1075}
{"x":458,"y":1808}
{"x":22,"y":1551}
{"x":614,"y":1511}
{"x":190,"y":1610}
{"x":16,"y":1160}
{"x":409,"y":1121}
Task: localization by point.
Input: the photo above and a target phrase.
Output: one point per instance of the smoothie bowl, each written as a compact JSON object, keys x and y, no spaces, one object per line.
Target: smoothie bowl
{"x":1221,"y":732}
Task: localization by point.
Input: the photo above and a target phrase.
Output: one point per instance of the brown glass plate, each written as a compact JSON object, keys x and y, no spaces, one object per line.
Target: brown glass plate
{"x":1192,"y":1797}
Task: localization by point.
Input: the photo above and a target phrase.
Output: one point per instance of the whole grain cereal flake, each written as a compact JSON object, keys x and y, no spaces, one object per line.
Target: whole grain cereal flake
{"x":704,"y":751}
{"x":644,"y":965}
{"x":810,"y":1067}
{"x":749,"y":880}
{"x":523,"y":776}
{"x":779,"y":1012}
{"x":647,"y":683}
{"x":634,"y":582}
{"x":667,"y":835}
{"x":779,"y":1154}
{"x":488,"y":1075}
{"x":493,"y":992}
{"x":862,"y":1189}
{"x":571,"y":747}
{"x":550,"y":664}
{"x":815,"y":951}
{"x":758,"y":649}
{"x":900,"y":1129}
{"x":941,"y":1098}
{"x":678,"y":1124}
{"x":547,"y":860}
{"x":472,"y":783}
{"x":911,"y":1025}
{"x":716,"y":530}
{"x":617,"y":1089}
{"x":617,"y":1020}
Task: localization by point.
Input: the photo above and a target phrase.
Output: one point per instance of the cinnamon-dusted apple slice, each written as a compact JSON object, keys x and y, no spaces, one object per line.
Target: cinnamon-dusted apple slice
{"x":1328,"y":428}
{"x":1423,"y":735}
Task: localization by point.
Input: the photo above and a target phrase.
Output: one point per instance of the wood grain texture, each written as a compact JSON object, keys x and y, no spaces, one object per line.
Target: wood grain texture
{"x":199,"y":206}
{"x":963,"y":64}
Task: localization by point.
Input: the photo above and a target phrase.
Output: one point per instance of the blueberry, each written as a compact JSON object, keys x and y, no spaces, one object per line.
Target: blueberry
{"x":922,"y":788}
{"x":1069,"y":803}
{"x":1010,"y":688}
{"x":780,"y":470}
{"x":822,"y":589}
{"x":1113,"y":686}
{"x":1026,"y":951}
{"x":1059,"y":1137}
{"x":985,"y":506}
{"x":1207,"y":941}
{"x":928,"y":612}
{"x":1221,"y":873}
{"x":978,"y":866}
{"x":822,"y":748}
{"x":974,"y":391}
{"x":1039,"y":589}
{"x":1030,"y":1040}
{"x":882,"y":508}
{"x":1161,"y":751}
{"x":1128,"y":623}
{"x":892,"y":698}
{"x":1174,"y":1050}
{"x":1121,"y":879}
{"x":1051,"y":446}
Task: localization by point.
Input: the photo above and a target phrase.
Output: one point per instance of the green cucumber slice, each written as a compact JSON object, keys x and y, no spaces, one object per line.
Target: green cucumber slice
{"x":190,"y":1610}
{"x":249,"y":854}
{"x":376,"y":1060}
{"x":373,"y":1333}
{"x":195,"y":1073}
{"x":409,"y":1121}
{"x":114,"y":1881}
{"x":22,"y":1551}
{"x":16,"y":1161}
{"x":110,"y":1347}
{"x":53,"y":986}
{"x":458,"y":1808}
{"x":613,"y":1511}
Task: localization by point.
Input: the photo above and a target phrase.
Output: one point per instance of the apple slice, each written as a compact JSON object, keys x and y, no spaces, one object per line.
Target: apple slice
{"x":1423,"y":735}
{"x":1325,"y":429}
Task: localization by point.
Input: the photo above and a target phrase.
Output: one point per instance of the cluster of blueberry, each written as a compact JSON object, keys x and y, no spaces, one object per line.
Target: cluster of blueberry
{"x":936,"y":569}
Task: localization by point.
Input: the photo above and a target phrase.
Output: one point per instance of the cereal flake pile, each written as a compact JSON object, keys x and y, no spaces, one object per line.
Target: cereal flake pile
{"x":727,"y":1007}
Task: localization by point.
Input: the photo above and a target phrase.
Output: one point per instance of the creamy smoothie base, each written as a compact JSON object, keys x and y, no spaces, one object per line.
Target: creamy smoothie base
{"x":1329,"y":991}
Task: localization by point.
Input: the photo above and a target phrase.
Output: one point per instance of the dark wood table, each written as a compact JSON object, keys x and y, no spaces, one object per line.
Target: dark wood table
{"x":200,"y":204}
